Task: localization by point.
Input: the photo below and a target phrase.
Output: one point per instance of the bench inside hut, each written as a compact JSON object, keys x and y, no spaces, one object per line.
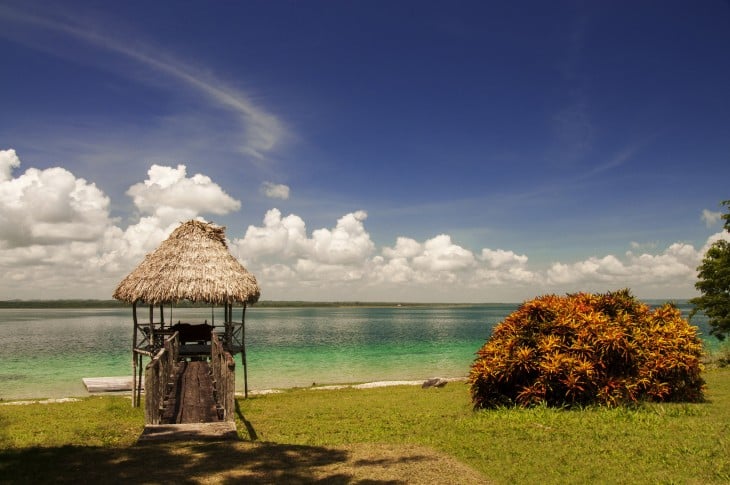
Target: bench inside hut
{"x":194,"y":339}
{"x":189,"y":333}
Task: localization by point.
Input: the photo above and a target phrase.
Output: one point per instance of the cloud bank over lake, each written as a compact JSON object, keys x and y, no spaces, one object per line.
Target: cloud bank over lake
{"x":59,"y":240}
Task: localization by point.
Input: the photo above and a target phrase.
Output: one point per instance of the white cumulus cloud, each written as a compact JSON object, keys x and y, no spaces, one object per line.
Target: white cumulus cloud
{"x":284,"y":255}
{"x":57,"y":240}
{"x":590,"y":270}
{"x":275,"y":191}
{"x":501,"y":267}
{"x":48,"y":207}
{"x":711,"y":217}
{"x":405,"y":247}
{"x":438,"y":259}
{"x":8,"y":161}
{"x":673,"y":267}
{"x":168,"y":193}
{"x":285,"y":238}
{"x":347,"y":243}
{"x":501,"y":258}
{"x":441,"y":254}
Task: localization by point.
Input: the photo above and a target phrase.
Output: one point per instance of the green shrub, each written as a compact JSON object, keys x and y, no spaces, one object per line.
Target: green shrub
{"x":608,"y":349}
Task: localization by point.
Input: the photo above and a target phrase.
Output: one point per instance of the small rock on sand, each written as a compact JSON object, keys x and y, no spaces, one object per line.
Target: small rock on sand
{"x":435,"y":382}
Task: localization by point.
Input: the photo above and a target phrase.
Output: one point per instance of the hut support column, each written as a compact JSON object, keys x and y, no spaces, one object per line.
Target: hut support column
{"x":135,"y":391}
{"x":243,"y":351}
{"x":226,"y":323}
{"x":229,"y":330}
{"x":139,"y":380}
{"x":152,"y":325}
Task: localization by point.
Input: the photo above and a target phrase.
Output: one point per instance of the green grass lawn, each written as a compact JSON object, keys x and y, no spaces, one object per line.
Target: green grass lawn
{"x":679,"y":443}
{"x":346,"y":435}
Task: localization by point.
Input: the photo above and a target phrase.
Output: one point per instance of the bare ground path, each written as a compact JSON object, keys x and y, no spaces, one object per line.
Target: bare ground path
{"x":236,"y":462}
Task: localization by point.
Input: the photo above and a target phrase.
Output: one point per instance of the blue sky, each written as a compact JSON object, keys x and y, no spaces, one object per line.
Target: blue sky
{"x":421,"y":151}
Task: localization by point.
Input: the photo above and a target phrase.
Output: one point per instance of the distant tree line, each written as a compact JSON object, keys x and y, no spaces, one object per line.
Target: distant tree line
{"x":189,"y":304}
{"x":62,"y":304}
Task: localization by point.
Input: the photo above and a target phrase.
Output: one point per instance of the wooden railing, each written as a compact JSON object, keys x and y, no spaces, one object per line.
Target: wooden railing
{"x":157,"y":375}
{"x":223,"y":369}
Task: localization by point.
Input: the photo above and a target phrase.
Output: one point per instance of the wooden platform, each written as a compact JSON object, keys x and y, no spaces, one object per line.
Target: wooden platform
{"x":219,"y":431}
{"x":108,"y":384}
{"x":191,"y":397}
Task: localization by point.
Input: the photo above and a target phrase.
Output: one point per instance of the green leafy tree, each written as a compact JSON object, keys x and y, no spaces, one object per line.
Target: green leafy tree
{"x":714,"y":284}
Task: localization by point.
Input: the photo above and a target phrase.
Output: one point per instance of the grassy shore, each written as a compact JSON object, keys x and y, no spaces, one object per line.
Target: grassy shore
{"x":386,"y":434}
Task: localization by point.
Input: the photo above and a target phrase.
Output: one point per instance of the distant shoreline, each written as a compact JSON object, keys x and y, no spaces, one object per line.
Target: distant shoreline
{"x":81,"y":303}
{"x":57,"y":304}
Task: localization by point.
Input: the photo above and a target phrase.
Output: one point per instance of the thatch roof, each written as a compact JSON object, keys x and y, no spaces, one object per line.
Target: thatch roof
{"x":192,"y":264}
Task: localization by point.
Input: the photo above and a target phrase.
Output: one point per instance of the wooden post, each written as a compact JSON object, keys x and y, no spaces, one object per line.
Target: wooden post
{"x":152,"y":325}
{"x":225,"y":324}
{"x":162,"y":314}
{"x":228,"y":333}
{"x":135,"y":391}
{"x":139,"y":381}
{"x":243,"y":351}
{"x":230,"y":387}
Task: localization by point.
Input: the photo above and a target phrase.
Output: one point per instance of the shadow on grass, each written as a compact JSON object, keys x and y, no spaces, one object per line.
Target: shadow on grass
{"x":254,"y":462}
{"x":249,"y":427}
{"x":221,"y":462}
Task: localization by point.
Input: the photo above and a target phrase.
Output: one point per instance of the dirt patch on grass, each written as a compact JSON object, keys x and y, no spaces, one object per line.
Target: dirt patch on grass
{"x":227,"y":462}
{"x":402,"y":464}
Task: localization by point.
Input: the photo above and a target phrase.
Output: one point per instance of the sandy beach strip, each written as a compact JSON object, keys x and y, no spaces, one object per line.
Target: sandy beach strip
{"x":39,"y":401}
{"x":263,"y":392}
{"x":366,"y":385}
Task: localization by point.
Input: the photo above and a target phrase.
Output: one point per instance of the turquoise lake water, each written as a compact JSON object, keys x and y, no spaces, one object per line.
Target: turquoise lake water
{"x":46,"y":352}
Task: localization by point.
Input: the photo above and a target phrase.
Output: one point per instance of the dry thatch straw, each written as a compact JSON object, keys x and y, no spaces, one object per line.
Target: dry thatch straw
{"x":192,"y":264}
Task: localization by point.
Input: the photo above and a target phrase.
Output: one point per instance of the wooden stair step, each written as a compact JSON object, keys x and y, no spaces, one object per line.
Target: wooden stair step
{"x":216,"y":431}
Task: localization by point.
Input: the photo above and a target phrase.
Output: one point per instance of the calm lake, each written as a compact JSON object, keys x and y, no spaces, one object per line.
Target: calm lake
{"x":46,"y":352}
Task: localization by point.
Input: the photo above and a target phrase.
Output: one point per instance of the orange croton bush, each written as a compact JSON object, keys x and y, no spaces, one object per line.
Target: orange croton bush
{"x":607,"y":349}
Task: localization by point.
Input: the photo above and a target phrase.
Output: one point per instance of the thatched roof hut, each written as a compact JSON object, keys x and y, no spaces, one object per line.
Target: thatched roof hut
{"x":194,"y":264}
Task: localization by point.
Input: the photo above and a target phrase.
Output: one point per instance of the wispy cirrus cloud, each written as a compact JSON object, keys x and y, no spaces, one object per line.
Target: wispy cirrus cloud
{"x":262,"y":131}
